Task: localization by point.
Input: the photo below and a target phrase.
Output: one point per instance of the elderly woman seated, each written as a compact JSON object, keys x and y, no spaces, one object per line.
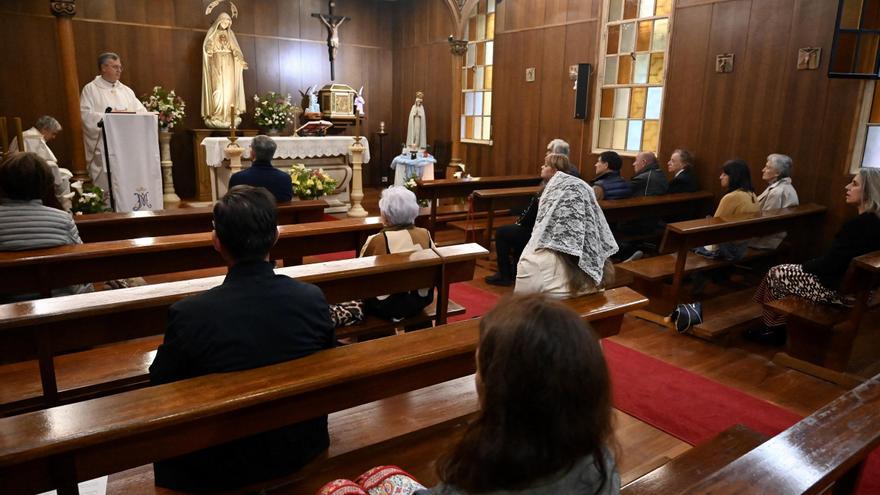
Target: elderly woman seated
{"x":26,"y":181}
{"x":779,"y":194}
{"x":569,"y":250}
{"x":399,"y":208}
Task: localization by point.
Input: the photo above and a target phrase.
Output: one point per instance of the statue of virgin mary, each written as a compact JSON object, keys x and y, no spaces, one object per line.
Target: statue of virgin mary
{"x":222,"y":81}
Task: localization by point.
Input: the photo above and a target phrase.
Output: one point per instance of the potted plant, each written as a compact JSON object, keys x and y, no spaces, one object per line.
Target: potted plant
{"x":273,"y":112}
{"x":310,"y":183}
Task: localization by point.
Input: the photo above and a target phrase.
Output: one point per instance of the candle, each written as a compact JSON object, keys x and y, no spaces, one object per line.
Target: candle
{"x":232,"y":124}
{"x":382,"y":126}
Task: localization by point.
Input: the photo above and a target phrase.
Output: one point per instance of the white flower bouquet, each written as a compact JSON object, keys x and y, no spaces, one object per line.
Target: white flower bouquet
{"x":87,"y":199}
{"x":273,"y":110}
{"x":170,"y":107}
{"x":310,"y":183}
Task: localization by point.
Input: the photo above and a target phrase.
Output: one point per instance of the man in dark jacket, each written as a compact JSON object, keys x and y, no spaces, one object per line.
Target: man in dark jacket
{"x":255,"y":318}
{"x":608,"y":184}
{"x":261,"y":172}
{"x":648,"y":180}
{"x":681,"y":165}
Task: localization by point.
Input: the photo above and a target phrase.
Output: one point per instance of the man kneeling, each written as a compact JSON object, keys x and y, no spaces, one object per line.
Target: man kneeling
{"x":255,"y":318}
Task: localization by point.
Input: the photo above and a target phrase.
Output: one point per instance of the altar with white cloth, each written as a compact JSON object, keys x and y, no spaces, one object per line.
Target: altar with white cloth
{"x":329,"y":153}
{"x":406,"y":167}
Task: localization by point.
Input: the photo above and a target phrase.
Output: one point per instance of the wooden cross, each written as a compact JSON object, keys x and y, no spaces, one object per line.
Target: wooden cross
{"x":332,"y":22}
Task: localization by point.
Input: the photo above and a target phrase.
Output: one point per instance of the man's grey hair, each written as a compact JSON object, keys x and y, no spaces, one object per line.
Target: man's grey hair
{"x":650,"y":158}
{"x":399,"y":206}
{"x":104,"y":57}
{"x":264,"y":148}
{"x":559,"y":146}
{"x":781,"y":163}
{"x":47,"y":123}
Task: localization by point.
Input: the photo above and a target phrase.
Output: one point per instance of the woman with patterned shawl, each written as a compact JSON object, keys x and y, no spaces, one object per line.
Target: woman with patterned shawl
{"x":568,"y":253}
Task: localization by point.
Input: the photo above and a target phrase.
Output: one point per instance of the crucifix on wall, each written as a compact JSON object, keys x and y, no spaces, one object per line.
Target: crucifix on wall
{"x":332,"y":22}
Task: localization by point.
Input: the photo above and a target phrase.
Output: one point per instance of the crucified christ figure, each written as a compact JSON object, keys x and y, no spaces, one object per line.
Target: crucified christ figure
{"x":332,"y":22}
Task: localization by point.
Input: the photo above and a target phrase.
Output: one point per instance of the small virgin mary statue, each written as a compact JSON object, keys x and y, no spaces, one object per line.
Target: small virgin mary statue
{"x":222,"y":81}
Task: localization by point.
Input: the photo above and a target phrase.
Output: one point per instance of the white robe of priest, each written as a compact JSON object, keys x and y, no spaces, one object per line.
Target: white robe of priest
{"x":96,"y":97}
{"x":35,"y":143}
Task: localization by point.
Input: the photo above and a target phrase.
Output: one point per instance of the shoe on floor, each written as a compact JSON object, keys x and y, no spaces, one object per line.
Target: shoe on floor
{"x":497,"y":279}
{"x":635,"y":256}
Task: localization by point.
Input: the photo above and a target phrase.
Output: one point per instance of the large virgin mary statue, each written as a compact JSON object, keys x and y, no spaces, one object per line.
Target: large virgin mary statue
{"x":222,"y":82}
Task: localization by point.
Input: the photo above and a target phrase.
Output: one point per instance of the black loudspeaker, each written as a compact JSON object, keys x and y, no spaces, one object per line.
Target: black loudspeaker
{"x":582,"y":90}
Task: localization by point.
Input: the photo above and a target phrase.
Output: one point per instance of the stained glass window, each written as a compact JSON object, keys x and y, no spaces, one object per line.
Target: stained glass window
{"x":866,"y":152}
{"x":633,"y":74}
{"x":476,"y":75}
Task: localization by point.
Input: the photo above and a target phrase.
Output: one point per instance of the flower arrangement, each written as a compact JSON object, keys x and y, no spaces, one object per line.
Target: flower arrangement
{"x":170,"y":107}
{"x":411,"y":184}
{"x":310,"y":183}
{"x":273,"y":111}
{"x":87,"y":199}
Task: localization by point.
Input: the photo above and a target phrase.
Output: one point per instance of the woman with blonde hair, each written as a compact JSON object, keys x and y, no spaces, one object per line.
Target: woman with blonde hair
{"x":819,"y":279}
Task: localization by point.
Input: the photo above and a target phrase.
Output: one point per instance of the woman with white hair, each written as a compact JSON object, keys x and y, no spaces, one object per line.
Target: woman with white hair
{"x":779,"y":194}
{"x":398,"y":208}
{"x":571,"y":245}
{"x":820,"y":279}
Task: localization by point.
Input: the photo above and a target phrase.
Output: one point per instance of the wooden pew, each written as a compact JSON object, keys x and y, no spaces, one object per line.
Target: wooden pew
{"x":829,"y":446}
{"x":822,"y":338}
{"x":689,"y":205}
{"x":42,"y":270}
{"x":651,"y":275}
{"x":677,"y":475}
{"x":113,"y":226}
{"x":45,"y":329}
{"x":434,"y":190}
{"x":114,"y":433}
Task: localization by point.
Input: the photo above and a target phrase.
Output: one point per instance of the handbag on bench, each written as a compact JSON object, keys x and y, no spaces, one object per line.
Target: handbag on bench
{"x":685,"y":316}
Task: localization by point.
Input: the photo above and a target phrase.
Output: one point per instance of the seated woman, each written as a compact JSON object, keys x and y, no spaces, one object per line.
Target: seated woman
{"x":568,"y":253}
{"x":819,"y":279}
{"x":398,"y":208}
{"x":740,"y":198}
{"x":511,"y":239}
{"x":544,"y":425}
{"x":25,"y":222}
{"x":608,"y":183}
{"x":779,"y":194}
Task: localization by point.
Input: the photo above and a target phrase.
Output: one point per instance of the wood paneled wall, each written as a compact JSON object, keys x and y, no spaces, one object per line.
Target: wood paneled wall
{"x":160,"y":43}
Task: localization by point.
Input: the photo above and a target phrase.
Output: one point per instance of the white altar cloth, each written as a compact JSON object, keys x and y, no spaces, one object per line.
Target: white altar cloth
{"x":135,"y":171}
{"x":291,"y":147}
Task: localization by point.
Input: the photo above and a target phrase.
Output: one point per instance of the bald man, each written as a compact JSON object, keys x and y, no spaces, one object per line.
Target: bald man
{"x":648,"y":180}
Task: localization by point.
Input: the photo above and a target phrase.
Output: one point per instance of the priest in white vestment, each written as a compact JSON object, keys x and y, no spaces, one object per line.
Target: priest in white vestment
{"x":36,"y":141}
{"x":105,"y":91}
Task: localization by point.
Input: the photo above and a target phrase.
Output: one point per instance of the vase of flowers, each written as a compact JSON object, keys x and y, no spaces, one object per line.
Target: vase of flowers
{"x":309,"y":183}
{"x":87,"y":199}
{"x":273,"y":112}
{"x":170,"y":107}
{"x":411,"y":184}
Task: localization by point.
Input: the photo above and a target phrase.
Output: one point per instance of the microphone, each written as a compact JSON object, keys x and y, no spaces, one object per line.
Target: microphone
{"x":108,"y":110}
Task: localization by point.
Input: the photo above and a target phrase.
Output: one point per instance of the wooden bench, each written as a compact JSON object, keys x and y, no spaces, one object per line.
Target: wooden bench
{"x":42,"y":270}
{"x":39,"y":451}
{"x":677,"y":475}
{"x":688,"y":205}
{"x":45,"y":329}
{"x":823,"y":339}
{"x":101,"y":227}
{"x":829,"y":446}
{"x":434,"y":190}
{"x":652,"y":276}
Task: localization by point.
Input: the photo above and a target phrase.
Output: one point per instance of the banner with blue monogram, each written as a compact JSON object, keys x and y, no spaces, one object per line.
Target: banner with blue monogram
{"x":135,"y":170}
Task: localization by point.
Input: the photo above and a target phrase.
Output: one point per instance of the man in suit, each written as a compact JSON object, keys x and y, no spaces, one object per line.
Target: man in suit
{"x":254,"y":318}
{"x":648,"y":180}
{"x":261,"y":172}
{"x":681,"y":165}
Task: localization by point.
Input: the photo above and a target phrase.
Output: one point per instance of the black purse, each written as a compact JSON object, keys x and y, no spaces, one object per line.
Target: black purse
{"x":685,"y":316}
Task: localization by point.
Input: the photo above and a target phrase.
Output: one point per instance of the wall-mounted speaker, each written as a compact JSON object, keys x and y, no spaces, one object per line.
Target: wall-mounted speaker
{"x":582,"y":90}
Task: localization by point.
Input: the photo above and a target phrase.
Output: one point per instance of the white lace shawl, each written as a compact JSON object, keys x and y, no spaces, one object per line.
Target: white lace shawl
{"x":570,"y":221}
